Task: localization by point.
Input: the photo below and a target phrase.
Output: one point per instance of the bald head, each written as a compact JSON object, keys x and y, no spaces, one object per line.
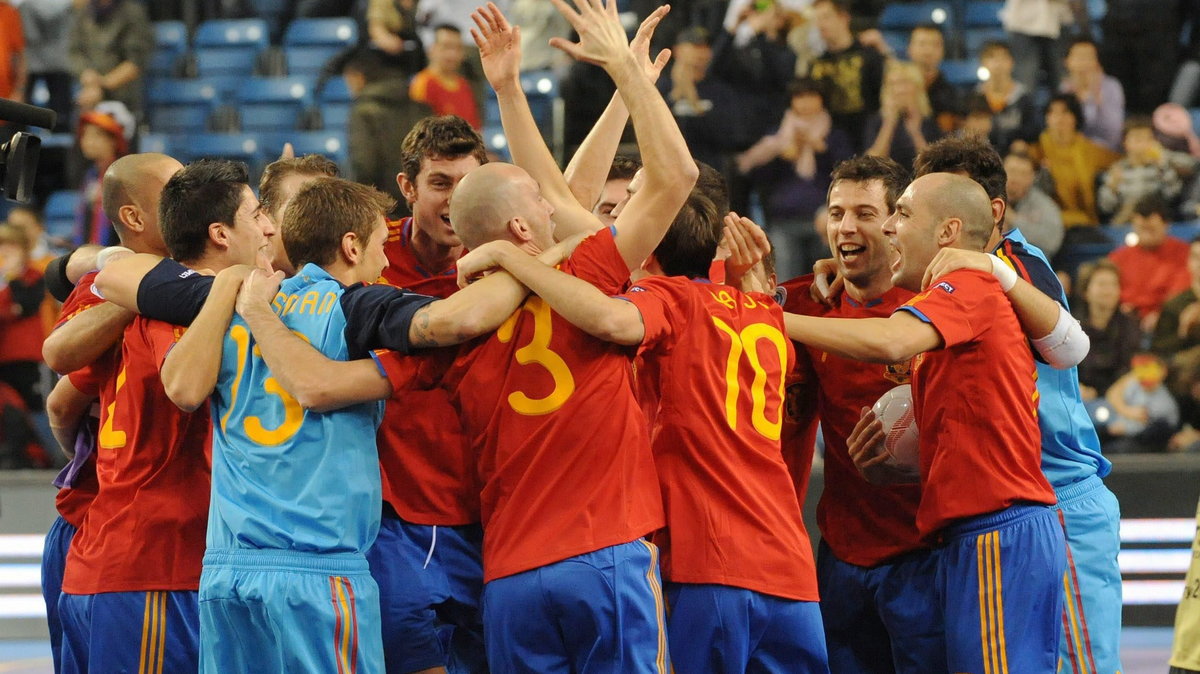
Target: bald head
{"x":132,"y":186}
{"x":949,"y":195}
{"x":488,"y":199}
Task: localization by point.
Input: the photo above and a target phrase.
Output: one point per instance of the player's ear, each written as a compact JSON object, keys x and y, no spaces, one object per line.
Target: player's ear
{"x":407,"y":187}
{"x":218,"y":234}
{"x":519,"y":229}
{"x":350,"y":248}
{"x":131,"y":218}
{"x":998,"y":210}
{"x":948,"y":231}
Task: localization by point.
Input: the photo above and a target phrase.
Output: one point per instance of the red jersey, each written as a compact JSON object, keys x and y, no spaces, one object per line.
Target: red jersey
{"x":428,"y":472}
{"x":732,"y":513}
{"x":21,"y":336}
{"x":975,"y":401}
{"x":446,"y":97}
{"x":799,"y":437}
{"x":1151,"y":277}
{"x":564,"y":455}
{"x":145,"y":529}
{"x":82,"y":298}
{"x":863,"y":524}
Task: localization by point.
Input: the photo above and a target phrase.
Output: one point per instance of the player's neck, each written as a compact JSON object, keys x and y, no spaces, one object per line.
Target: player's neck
{"x":433,"y":256}
{"x":213,"y":261}
{"x":342,"y":272}
{"x":863,"y":293}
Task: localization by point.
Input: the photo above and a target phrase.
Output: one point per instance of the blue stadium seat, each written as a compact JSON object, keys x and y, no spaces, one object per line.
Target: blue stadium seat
{"x":162,"y":63}
{"x":541,"y":88}
{"x":982,"y":14}
{"x":961,"y":73}
{"x":200,"y":91}
{"x":154,"y":142}
{"x":171,"y":36}
{"x":268,"y":117}
{"x":225,"y":61}
{"x":975,"y":38}
{"x":250,"y":33}
{"x":62,"y":204}
{"x":272,"y":11}
{"x":336,"y":91}
{"x":309,"y":59}
{"x":897,"y":40}
{"x":276,"y":90}
{"x":1186,"y":230}
{"x":245,"y":147}
{"x":179,"y":118}
{"x":906,"y":16}
{"x":1070,"y":257}
{"x":331,"y":143}
{"x":335,"y":115}
{"x":328,"y":32}
{"x":495,"y":140}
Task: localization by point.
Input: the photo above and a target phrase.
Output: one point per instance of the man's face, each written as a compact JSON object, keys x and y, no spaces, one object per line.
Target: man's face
{"x":446,"y":52}
{"x":252,"y":231}
{"x":615,"y":191}
{"x":374,"y":259}
{"x":912,"y":231}
{"x":1082,"y":59}
{"x":288,"y":186}
{"x":96,"y":144}
{"x":833,"y":26}
{"x":430,"y":196}
{"x":1193,"y":262}
{"x":857,"y":211}
{"x":538,"y":212}
{"x":1151,"y":230}
{"x":998,"y":62}
{"x":1020,"y":176}
{"x":1060,"y":119}
{"x":926,"y":48}
{"x":631,"y":189}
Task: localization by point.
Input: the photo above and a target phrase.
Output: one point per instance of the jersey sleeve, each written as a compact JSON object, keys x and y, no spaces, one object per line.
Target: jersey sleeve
{"x":416,"y":372}
{"x":659,"y":307}
{"x":82,"y":298}
{"x":173,"y":293}
{"x":1033,"y":269}
{"x":598,"y":261}
{"x":959,"y":305}
{"x":90,"y":378}
{"x":378,"y":317}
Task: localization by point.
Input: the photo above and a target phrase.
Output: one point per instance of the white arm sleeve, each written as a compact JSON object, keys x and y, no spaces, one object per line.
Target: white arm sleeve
{"x":1066,"y":345}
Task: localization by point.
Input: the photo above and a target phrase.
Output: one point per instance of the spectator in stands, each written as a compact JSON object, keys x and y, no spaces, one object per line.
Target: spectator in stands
{"x":104,"y":134}
{"x":110,"y":44}
{"x":1152,"y":269}
{"x":691,"y":57}
{"x":441,"y":85}
{"x":12,"y":53}
{"x":1178,"y":326}
{"x":904,"y":124}
{"x":1173,"y":127}
{"x":29,"y":220}
{"x":1143,"y":414}
{"x":22,"y":291}
{"x":1029,"y":208}
{"x":1145,"y":168}
{"x":927,"y":48}
{"x":392,"y":29}
{"x":1114,"y":334}
{"x":1185,"y":385}
{"x":706,"y":107}
{"x":1073,"y":162}
{"x":791,"y":167}
{"x":1141,"y":49}
{"x":47,"y":24}
{"x":1035,"y":32}
{"x":380,"y":118}
{"x":1100,"y":96}
{"x":851,"y":74}
{"x":979,"y":121}
{"x":1014,"y":117}
{"x":540,"y":21}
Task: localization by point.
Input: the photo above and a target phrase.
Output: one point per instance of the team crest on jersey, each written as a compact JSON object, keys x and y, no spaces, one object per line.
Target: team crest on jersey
{"x":899,"y":373}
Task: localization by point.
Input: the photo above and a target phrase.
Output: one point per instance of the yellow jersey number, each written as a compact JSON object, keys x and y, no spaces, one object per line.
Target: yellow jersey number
{"x":746,"y":342}
{"x":252,"y":426}
{"x":537,"y":352}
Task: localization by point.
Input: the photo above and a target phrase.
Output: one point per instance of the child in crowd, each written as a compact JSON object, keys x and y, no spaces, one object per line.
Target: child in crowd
{"x":1147,"y":167}
{"x":104,"y":135}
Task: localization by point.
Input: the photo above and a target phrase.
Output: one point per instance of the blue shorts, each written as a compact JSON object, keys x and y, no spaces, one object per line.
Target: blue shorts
{"x":450,"y":560}
{"x":54,"y":562}
{"x":999,"y":583}
{"x":881,"y":619}
{"x":129,"y":632}
{"x":597,"y":612}
{"x":283,"y":611}
{"x":1091,"y":621}
{"x":407,"y":619}
{"x":730,"y":630}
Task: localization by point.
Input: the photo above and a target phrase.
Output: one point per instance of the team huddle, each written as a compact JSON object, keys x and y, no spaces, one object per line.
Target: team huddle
{"x":564,"y":422}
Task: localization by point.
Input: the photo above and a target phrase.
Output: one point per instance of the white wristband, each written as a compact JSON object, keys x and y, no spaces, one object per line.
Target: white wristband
{"x":1006,"y":275}
{"x":105,"y":253}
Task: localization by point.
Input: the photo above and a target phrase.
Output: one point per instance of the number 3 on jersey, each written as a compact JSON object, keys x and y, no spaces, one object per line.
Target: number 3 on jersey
{"x":747,"y":342}
{"x":293,"y":413}
{"x":537,"y":352}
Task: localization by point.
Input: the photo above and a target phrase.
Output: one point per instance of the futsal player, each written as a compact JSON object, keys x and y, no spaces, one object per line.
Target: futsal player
{"x":999,"y":552}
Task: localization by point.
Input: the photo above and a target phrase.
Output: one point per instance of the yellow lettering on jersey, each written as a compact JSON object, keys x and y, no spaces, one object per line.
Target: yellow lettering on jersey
{"x":538,"y":352}
{"x":309,"y":305}
{"x":327,"y":303}
{"x":278,"y":303}
{"x":724,"y":298}
{"x":291,"y":304}
{"x":732,"y":387}
{"x":747,"y":341}
{"x":110,"y":437}
{"x":241,"y":337}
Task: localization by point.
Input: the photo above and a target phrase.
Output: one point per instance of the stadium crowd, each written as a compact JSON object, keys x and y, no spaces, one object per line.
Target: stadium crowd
{"x":603,"y":384}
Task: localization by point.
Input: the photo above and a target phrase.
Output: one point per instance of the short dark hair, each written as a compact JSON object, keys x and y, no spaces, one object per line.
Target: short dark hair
{"x":802,"y":86}
{"x":448,"y":26}
{"x":694,"y":35}
{"x":840,"y":6}
{"x":276,"y":171}
{"x":323,"y":211}
{"x":690,"y":244}
{"x":928,"y":26}
{"x":962,"y":154}
{"x":711,"y":183}
{"x":993,"y":45}
{"x":201,"y":193}
{"x":624,"y":167}
{"x":1151,"y":203}
{"x":1136,"y":122}
{"x":866,"y":168}
{"x":444,"y":137}
{"x":1072,"y":105}
{"x":366,"y":61}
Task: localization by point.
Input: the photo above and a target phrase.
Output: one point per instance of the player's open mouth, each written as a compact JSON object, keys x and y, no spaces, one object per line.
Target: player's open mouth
{"x":850,"y":251}
{"x":446,"y":220}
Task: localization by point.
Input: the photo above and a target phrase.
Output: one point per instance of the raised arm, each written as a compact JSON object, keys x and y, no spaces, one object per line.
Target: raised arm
{"x":878,"y":340}
{"x":314,"y":380}
{"x":189,"y":373}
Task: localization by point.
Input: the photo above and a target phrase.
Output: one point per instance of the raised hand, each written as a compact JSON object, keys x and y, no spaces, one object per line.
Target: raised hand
{"x":748,"y":245}
{"x":640,"y":45}
{"x":953,"y":259}
{"x":602,"y":40}
{"x":478,"y":262}
{"x":258,"y":290}
{"x":499,"y":45}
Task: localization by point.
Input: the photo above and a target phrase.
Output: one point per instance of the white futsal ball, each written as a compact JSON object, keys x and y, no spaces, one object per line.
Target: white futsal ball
{"x":895,"y":411}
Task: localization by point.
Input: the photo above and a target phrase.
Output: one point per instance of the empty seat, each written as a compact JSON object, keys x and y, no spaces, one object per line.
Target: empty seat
{"x":331,"y":143}
{"x":273,"y":103}
{"x":268,"y":117}
{"x":179,"y":118}
{"x":336,"y":91}
{"x":309,"y":59}
{"x":982,"y":14}
{"x":225,"y":61}
{"x":183,"y":92}
{"x":245,"y":147}
{"x":162,"y":63}
{"x":906,"y":16}
{"x":329,"y":32}
{"x":250,"y":33}
{"x":170,"y":36}
{"x":335,"y":116}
